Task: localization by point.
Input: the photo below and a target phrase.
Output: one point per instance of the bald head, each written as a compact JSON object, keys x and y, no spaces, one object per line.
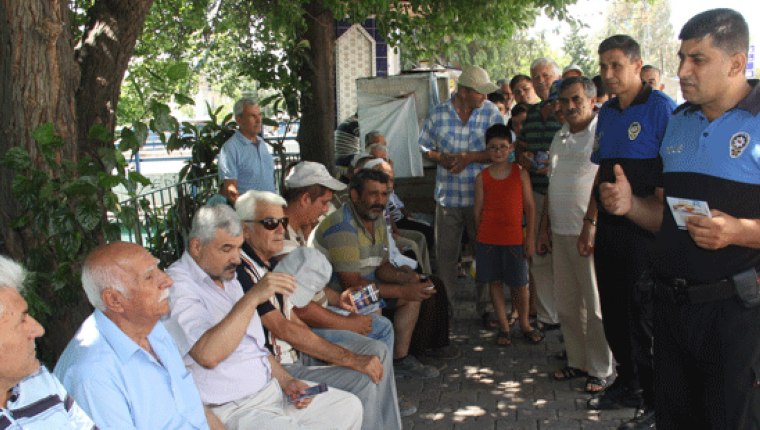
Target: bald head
{"x":109,"y":266}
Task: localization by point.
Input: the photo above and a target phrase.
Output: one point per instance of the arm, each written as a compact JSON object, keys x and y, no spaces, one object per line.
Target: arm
{"x":723,"y":230}
{"x":290,"y":385}
{"x":544,"y":228}
{"x":221,"y":340}
{"x":529,"y":206}
{"x":588,"y":231}
{"x":300,"y":336}
{"x":618,"y":199}
{"x":478,"y":206}
{"x":229,"y":189}
{"x":318,"y":317}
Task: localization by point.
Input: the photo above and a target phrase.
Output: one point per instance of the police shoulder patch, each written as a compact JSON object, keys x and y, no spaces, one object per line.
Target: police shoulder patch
{"x":738,"y":143}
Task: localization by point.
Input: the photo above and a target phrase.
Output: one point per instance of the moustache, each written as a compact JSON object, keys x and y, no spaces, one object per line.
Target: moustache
{"x":573,"y":112}
{"x":164,"y":295}
{"x":230,"y":267}
{"x":380,"y":207}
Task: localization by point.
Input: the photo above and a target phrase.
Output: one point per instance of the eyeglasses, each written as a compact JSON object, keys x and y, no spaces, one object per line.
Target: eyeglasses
{"x":270,"y":223}
{"x":496,"y":148}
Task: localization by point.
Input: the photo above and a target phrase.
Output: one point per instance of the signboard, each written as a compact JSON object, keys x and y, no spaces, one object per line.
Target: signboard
{"x":751,"y":62}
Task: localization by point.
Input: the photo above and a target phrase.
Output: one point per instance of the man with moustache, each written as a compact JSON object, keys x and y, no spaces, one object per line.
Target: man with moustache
{"x":30,"y":397}
{"x":629,"y":131}
{"x":122,"y":365}
{"x":707,"y":318}
{"x":653,"y":76}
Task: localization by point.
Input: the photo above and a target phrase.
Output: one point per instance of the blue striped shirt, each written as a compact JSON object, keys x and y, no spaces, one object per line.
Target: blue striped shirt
{"x":444,"y":132}
{"x":39,"y":401}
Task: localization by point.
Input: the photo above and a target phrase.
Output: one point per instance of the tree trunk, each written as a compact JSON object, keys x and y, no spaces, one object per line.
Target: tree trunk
{"x":315,"y":134}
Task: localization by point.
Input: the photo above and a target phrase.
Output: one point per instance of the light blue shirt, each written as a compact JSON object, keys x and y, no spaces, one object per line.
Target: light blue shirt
{"x":39,"y":401}
{"x":444,"y":131}
{"x":122,"y":386}
{"x":247,"y":162}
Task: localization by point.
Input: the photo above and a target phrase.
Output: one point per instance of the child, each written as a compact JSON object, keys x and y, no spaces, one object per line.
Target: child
{"x":502,"y":194}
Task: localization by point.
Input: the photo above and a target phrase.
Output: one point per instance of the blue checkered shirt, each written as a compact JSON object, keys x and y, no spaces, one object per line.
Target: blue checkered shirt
{"x":444,"y":132}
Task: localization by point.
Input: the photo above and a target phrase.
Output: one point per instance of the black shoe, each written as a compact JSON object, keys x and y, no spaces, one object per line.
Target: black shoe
{"x":643,"y":420}
{"x":617,"y":396}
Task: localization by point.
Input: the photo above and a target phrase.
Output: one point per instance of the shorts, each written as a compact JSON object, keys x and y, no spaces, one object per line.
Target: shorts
{"x":505,"y":263}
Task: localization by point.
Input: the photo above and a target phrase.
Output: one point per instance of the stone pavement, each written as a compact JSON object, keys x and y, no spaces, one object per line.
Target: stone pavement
{"x":492,"y":387}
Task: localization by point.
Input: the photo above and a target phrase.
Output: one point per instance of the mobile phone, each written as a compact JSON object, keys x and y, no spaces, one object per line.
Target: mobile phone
{"x":310,"y":392}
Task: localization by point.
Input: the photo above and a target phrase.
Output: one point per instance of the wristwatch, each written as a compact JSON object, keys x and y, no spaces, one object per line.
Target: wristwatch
{"x":591,"y":220}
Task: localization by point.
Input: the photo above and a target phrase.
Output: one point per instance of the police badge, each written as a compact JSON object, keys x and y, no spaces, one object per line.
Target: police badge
{"x":738,"y":143}
{"x":633,"y":130}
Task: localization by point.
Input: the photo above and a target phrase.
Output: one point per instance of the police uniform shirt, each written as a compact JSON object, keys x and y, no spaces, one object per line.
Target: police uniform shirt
{"x":718,"y":162}
{"x":631,"y":137}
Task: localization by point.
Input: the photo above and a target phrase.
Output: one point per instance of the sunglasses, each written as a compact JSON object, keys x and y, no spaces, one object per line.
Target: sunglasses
{"x":270,"y":223}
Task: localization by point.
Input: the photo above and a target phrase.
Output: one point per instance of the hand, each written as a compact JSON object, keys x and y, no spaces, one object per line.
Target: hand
{"x":271,"y":283}
{"x":617,"y":197}
{"x":361,"y":324}
{"x":346,"y":301}
{"x":293,"y":388}
{"x":544,"y":243}
{"x":586,"y":240}
{"x":530,"y":248}
{"x":417,"y":291}
{"x":713,"y":233}
{"x":369,"y":365}
{"x":446,"y":160}
{"x":525,"y":159}
{"x":461,"y":160}
{"x":407,"y":274}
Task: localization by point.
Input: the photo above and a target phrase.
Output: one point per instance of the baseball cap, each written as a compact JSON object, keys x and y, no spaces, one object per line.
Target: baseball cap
{"x":476,"y":78}
{"x":312,"y":271}
{"x":308,"y":173}
{"x":553,"y":91}
{"x":572,"y":67}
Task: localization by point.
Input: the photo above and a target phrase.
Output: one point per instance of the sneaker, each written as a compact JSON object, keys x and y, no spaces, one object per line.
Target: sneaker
{"x":643,"y":420}
{"x":617,"y":396}
{"x":449,"y":352}
{"x":411,"y":367}
{"x":406,"y":408}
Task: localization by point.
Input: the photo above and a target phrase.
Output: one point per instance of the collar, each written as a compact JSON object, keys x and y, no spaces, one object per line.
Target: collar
{"x":358,"y":220}
{"x":268,"y":265}
{"x":247,"y":140}
{"x":122,"y":345}
{"x":640,"y":98}
{"x":750,"y":102}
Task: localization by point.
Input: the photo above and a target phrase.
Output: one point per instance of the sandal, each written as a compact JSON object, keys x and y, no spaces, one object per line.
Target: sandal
{"x":488,"y":323}
{"x":503,"y":338}
{"x":533,"y":336}
{"x":568,"y":372}
{"x":595,"y":384}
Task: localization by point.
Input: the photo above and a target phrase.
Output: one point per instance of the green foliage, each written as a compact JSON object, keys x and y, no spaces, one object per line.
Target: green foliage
{"x":70,"y":207}
{"x":577,"y":49}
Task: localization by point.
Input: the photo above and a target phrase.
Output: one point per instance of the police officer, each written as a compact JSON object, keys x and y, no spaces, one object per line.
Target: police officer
{"x":707,"y":318}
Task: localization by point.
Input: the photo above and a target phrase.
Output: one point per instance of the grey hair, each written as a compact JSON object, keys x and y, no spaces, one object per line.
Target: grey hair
{"x":544,"y":61}
{"x":377,"y":146}
{"x":589,"y":88}
{"x":97,"y":278}
{"x":242,"y":103}
{"x":12,"y":275}
{"x":371,"y":135}
{"x":245,"y":206}
{"x":209,"y":219}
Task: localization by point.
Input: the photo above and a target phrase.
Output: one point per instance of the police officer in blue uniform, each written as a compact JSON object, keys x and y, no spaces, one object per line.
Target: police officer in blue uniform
{"x":707,"y":309}
{"x":629,"y":132}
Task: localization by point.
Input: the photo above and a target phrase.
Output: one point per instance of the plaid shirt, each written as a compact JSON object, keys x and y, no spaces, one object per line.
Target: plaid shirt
{"x":444,"y":132}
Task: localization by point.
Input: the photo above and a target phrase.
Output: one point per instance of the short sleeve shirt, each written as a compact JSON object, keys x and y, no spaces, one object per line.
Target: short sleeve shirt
{"x":349,"y":246}
{"x":444,"y":131}
{"x":249,"y":163}
{"x":537,"y":133}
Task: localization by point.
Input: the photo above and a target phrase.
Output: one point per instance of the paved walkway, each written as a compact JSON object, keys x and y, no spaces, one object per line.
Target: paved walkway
{"x":491,"y":387}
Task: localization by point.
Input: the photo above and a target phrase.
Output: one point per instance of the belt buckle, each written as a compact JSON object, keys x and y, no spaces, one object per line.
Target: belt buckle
{"x":680,"y":290}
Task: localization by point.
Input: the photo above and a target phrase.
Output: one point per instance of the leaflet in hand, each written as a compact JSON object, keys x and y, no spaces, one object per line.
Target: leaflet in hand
{"x":684,"y":208}
{"x":368,"y":300}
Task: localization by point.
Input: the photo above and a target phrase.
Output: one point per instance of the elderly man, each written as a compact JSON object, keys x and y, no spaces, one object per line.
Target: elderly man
{"x":355,"y":240}
{"x":706,"y":316}
{"x":122,"y":339}
{"x":244,"y":160}
{"x":653,"y":76}
{"x":571,"y":175}
{"x":453,"y":138}
{"x":533,"y":143}
{"x":30,"y":397}
{"x":220,"y":335}
{"x":360,"y":365}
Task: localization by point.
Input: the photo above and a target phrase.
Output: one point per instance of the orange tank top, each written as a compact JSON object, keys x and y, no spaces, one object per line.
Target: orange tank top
{"x":502,"y":216}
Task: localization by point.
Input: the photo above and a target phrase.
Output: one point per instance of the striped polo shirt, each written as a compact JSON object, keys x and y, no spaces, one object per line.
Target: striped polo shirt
{"x":537,"y":133}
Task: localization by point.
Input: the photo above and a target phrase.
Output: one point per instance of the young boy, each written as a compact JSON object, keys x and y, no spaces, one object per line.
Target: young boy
{"x":503,"y":195}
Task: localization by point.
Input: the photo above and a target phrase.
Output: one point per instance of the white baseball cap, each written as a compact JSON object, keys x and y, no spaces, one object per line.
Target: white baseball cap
{"x":308,"y":173}
{"x":312,"y":271}
{"x":476,"y":78}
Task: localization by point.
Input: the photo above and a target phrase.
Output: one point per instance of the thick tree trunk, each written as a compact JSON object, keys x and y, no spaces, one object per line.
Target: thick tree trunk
{"x":38,"y":80}
{"x":318,"y":104}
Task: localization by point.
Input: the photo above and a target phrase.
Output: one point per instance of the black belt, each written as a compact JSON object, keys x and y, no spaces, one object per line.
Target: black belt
{"x":680,"y":291}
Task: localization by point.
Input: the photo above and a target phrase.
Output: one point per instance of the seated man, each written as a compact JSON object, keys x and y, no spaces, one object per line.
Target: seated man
{"x":220,"y":334}
{"x":355,"y":240}
{"x":30,"y":397}
{"x":122,"y":365}
{"x":362,"y":366}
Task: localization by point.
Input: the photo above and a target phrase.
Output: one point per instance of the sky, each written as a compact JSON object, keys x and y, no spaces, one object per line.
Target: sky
{"x":591,"y":11}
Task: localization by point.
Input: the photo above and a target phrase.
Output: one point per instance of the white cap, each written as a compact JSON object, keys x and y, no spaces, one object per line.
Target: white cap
{"x":308,"y":173}
{"x":312,"y":271}
{"x":476,"y":78}
{"x":371,"y":164}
